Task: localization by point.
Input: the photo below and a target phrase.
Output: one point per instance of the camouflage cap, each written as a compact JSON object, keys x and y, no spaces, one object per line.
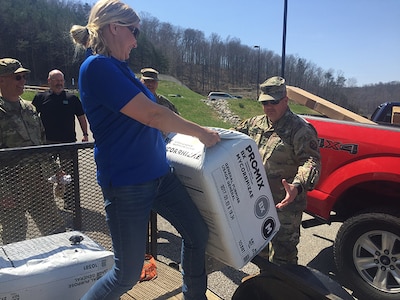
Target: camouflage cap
{"x":149,"y":74}
{"x":11,"y":66}
{"x":273,"y":88}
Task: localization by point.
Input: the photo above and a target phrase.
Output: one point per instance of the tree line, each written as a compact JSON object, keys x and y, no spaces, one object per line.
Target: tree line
{"x":37,"y":33}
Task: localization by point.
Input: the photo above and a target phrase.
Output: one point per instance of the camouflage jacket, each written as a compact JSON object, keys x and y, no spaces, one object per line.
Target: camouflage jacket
{"x":165,"y":102}
{"x":20,"y":125}
{"x":289,"y":150}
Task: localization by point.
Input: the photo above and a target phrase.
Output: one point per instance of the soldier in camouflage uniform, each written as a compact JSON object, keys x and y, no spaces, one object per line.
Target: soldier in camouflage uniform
{"x":23,"y":181}
{"x":150,"y":79}
{"x":289,"y":148}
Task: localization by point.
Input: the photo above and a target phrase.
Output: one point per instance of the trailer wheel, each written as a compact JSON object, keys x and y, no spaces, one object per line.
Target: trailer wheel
{"x":367,"y":255}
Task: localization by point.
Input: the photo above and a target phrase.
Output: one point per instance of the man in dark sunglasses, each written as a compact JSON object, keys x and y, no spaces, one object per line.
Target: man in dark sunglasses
{"x":12,"y":82}
{"x":289,"y":148}
{"x":20,"y":126}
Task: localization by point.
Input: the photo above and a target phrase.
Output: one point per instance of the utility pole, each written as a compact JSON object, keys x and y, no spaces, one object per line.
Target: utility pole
{"x":258,"y":69}
{"x":284,"y":39}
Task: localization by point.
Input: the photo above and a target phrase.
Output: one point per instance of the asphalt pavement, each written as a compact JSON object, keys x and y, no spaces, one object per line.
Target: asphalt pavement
{"x":315,"y":251}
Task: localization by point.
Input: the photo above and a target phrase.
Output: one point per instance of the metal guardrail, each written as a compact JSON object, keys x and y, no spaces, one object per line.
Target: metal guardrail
{"x":32,"y":206}
{"x":36,"y":88}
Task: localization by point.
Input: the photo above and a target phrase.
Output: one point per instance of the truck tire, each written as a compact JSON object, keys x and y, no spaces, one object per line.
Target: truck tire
{"x":367,"y":255}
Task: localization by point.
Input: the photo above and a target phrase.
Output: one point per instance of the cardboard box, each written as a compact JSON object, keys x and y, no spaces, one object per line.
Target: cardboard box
{"x":396,"y":115}
{"x":323,"y":106}
{"x":228,"y":184}
{"x":51,"y":267}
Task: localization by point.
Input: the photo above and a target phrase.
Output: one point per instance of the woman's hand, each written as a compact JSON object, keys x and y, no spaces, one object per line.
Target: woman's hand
{"x":209,"y":137}
{"x":157,"y":116}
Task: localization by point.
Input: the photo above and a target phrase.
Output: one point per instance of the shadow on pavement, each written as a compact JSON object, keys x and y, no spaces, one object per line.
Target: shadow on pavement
{"x":324,"y":263}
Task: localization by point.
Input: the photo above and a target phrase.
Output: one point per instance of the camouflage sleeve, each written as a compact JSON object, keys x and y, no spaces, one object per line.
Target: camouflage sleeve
{"x":36,"y":102}
{"x":243,"y":126}
{"x":162,"y":100}
{"x":41,"y":129}
{"x":307,"y":151}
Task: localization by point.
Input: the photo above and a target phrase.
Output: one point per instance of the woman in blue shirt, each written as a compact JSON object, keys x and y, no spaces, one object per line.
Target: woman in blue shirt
{"x":130,"y":154}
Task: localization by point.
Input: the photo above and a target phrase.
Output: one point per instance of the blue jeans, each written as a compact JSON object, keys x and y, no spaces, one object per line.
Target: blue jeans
{"x":127,"y":213}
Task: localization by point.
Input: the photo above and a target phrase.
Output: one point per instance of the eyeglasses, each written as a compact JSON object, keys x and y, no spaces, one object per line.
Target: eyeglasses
{"x":135,"y":31}
{"x":273,"y":102}
{"x":20,"y":77}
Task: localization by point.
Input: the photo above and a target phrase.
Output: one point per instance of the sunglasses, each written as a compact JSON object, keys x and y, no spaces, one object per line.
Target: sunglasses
{"x":20,"y":77}
{"x":135,"y":31}
{"x":273,"y":102}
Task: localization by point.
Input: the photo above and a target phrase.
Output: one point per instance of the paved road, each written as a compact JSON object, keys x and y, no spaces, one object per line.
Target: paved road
{"x":315,"y":251}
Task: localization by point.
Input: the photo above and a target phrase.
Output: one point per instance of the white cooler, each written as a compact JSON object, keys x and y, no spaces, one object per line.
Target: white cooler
{"x":228,"y":184}
{"x":51,"y":267}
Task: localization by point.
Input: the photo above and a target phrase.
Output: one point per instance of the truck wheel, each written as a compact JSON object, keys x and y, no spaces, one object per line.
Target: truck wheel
{"x":367,"y":255}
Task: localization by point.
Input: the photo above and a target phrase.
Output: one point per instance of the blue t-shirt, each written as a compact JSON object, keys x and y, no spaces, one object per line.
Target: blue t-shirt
{"x":126,"y":151}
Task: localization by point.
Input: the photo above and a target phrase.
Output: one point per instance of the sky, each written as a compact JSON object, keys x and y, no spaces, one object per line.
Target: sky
{"x":360,"y":39}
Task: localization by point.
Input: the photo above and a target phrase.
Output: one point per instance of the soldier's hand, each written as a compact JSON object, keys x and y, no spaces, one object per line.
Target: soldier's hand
{"x":291,"y":194}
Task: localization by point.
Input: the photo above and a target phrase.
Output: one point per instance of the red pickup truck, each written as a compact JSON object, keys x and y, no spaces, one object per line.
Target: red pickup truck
{"x":360,"y":186}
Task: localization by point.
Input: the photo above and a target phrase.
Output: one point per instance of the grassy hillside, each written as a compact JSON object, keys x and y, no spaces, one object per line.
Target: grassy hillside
{"x":191,"y":106}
